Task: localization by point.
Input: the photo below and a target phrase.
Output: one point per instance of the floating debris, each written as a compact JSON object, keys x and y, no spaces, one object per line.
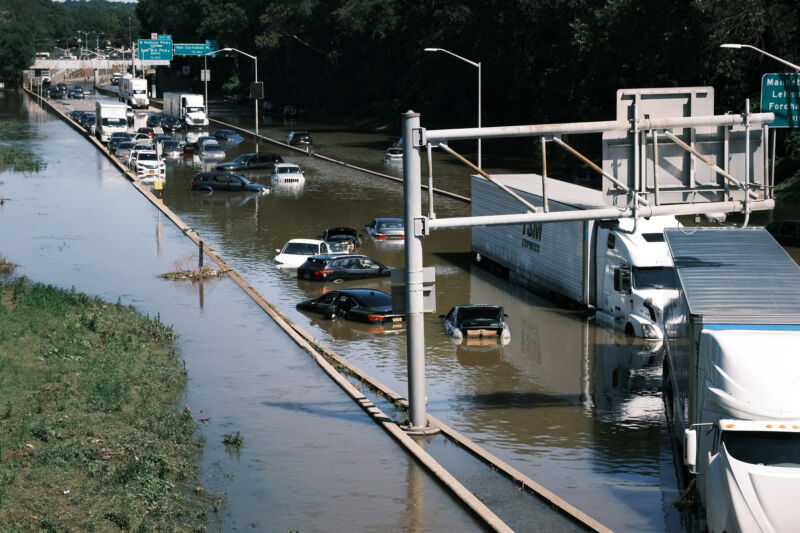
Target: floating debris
{"x":195,"y":274}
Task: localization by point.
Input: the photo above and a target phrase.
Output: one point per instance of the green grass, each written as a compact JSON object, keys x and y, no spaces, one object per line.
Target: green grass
{"x":91,"y":438}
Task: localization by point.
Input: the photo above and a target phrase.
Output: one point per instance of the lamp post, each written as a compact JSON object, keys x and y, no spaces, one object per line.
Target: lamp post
{"x":254,"y":58}
{"x":778,"y":59}
{"x":85,"y":41}
{"x":474,"y":64}
{"x":205,"y":75}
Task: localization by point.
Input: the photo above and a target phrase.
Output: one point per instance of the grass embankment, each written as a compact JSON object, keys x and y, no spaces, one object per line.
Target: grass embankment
{"x":91,"y":435}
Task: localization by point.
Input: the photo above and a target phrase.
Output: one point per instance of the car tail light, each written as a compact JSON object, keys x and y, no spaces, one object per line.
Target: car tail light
{"x":375,"y":318}
{"x":323,"y":272}
{"x":380,"y":236}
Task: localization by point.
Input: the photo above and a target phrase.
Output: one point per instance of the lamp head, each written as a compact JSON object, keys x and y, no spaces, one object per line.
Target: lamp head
{"x":432,"y":49}
{"x":730,"y":45}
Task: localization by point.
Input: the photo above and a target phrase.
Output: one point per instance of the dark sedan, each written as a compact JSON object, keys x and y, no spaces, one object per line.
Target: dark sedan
{"x":170,"y":123}
{"x":254,"y":160}
{"x":222,"y":181}
{"x":333,"y":267}
{"x":348,"y":236}
{"x":477,"y":322}
{"x":154,"y":120}
{"x":360,"y":305}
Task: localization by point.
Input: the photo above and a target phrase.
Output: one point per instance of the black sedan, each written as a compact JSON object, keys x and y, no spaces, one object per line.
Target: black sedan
{"x":170,"y":123}
{"x":334,"y":267}
{"x":253,"y":160}
{"x":154,"y":120}
{"x":348,"y":236}
{"x":222,"y":181}
{"x":360,"y":305}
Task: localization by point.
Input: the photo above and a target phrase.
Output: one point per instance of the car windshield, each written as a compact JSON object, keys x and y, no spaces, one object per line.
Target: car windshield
{"x":301,"y":248}
{"x":138,"y":91}
{"x":119,"y":122}
{"x":147,"y":157}
{"x":654,"y":277}
{"x":125,"y":145}
{"x":288,"y":170}
{"x":194,"y":109}
{"x":342,"y":236}
{"x":212,"y":147}
{"x":170,"y":145}
{"x":766,"y":448}
{"x":244,"y":158}
{"x":477,"y":316}
{"x":338,"y":246}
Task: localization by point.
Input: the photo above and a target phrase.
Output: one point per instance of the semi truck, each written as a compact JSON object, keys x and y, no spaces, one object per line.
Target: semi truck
{"x":111,"y":117}
{"x":621,"y":271}
{"x":186,"y":107}
{"x":731,"y":374}
{"x":133,"y":91}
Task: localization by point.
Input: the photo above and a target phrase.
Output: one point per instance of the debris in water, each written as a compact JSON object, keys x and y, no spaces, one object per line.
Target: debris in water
{"x":195,"y":274}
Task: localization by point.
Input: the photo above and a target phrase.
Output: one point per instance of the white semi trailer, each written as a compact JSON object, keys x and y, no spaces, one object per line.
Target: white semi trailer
{"x":133,"y":91}
{"x":186,"y":107}
{"x":731,"y":375}
{"x":620,"y":269}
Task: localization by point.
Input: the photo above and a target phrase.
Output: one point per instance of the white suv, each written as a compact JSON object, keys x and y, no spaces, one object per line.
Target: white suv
{"x":148,"y":165}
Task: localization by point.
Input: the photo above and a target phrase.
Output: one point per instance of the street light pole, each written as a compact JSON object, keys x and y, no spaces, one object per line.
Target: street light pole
{"x":478,"y":66}
{"x":254,"y":58}
{"x":760,"y":51}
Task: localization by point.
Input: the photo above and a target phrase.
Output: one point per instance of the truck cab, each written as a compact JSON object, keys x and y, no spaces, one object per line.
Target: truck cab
{"x":635,"y":275}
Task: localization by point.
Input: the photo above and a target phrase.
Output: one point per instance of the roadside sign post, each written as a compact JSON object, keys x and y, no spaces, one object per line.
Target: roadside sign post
{"x":780,"y":94}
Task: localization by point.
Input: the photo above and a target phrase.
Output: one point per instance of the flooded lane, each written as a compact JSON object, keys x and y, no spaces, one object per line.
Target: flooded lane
{"x":311,"y":459}
{"x":576,"y":407}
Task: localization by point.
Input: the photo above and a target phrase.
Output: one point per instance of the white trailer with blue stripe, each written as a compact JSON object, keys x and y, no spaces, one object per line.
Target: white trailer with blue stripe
{"x":732,"y":375}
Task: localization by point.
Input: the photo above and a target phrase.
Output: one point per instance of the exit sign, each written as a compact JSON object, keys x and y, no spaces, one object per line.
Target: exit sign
{"x":780,"y":94}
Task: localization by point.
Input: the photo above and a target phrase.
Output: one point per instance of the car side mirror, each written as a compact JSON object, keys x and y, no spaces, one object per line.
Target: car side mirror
{"x":278,"y":250}
{"x":690,"y":448}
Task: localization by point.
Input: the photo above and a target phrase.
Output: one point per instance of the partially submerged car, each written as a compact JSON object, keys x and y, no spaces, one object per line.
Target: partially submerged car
{"x":148,"y":165}
{"x":386,"y":228}
{"x":210,"y":150}
{"x":227,"y":137}
{"x":171,"y":149}
{"x":224,"y":181}
{"x":298,"y":138}
{"x":394,"y":154}
{"x":361,"y":305}
{"x":295,"y":252}
{"x":479,"y":323}
{"x":287,"y":173}
{"x":251,"y":161}
{"x":348,"y":236}
{"x":329,"y":267}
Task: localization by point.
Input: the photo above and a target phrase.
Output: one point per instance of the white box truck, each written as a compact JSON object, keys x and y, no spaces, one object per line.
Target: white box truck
{"x":186,"y":107}
{"x":732,"y":375}
{"x":621,"y":270}
{"x":133,"y":91}
{"x":110,"y":118}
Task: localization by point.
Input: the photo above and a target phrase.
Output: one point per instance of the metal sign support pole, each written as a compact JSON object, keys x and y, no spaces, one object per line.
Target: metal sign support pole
{"x":412,"y":216}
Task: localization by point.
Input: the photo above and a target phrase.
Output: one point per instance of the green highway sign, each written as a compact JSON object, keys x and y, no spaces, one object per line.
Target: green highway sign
{"x":195,"y":49}
{"x":780,"y":94}
{"x":155,"y":49}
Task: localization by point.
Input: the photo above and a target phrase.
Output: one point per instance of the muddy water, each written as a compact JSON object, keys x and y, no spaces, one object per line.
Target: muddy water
{"x":311,"y":460}
{"x":576,"y":407}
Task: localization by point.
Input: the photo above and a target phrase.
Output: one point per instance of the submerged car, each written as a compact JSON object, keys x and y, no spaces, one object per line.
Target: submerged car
{"x":385,"y":228}
{"x":227,"y":137}
{"x":224,"y":181}
{"x":250,"y":161}
{"x":348,"y":236}
{"x":477,"y":322}
{"x":330,"y":267}
{"x":148,"y":165}
{"x":361,"y":305}
{"x":394,"y":154}
{"x":295,"y":252}
{"x":298,"y":138}
{"x":171,"y":149}
{"x":170,"y":123}
{"x":287,"y":173}
{"x":210,"y":149}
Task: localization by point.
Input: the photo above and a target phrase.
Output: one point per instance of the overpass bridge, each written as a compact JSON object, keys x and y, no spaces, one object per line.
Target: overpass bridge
{"x":94,"y":64}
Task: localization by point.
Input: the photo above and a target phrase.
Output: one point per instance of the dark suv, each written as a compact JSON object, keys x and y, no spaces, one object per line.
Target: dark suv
{"x":247,"y":161}
{"x":332,"y":267}
{"x":298,"y":137}
{"x":222,"y":181}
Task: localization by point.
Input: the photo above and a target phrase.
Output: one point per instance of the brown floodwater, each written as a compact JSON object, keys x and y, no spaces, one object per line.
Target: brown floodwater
{"x":574,"y":406}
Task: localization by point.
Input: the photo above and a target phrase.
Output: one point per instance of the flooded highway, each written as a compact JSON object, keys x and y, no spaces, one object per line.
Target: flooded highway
{"x":574,"y":406}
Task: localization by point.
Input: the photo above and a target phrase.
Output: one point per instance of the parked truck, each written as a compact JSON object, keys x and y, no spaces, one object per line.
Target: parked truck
{"x":731,"y":375}
{"x":110,"y":118}
{"x":186,"y":107}
{"x":619,"y":270}
{"x":133,"y":91}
